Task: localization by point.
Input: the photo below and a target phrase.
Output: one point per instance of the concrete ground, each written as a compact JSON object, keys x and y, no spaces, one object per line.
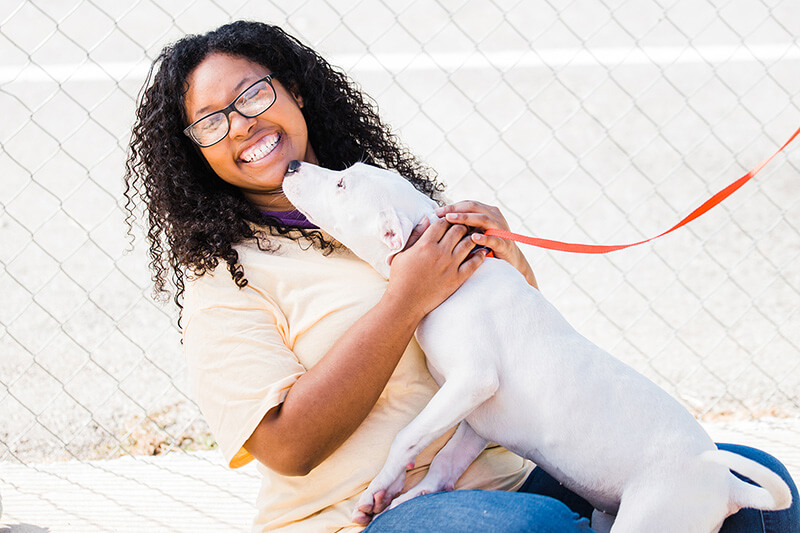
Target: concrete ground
{"x":196,"y":492}
{"x":176,"y":492}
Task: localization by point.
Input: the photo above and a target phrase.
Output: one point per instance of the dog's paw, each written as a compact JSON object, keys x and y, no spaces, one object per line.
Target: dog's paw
{"x":419,"y":490}
{"x":378,"y":496}
{"x":362,"y":519}
{"x":369,"y":506}
{"x":362,"y":515}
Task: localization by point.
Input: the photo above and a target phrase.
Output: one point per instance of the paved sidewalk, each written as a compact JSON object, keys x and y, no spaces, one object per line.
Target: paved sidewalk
{"x":179,"y":492}
{"x":194,"y":492}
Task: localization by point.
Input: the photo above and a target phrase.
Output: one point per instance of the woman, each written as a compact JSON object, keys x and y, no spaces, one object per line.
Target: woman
{"x":299,"y":354}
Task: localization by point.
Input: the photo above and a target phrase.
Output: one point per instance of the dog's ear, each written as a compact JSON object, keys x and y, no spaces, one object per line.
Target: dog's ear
{"x":395,"y":230}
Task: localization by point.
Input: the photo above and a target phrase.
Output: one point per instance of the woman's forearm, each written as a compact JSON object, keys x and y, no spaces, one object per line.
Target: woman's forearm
{"x":326,"y":405}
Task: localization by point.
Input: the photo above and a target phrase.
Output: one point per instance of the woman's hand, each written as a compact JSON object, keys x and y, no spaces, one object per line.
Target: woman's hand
{"x":483,"y":217}
{"x":435,"y":263}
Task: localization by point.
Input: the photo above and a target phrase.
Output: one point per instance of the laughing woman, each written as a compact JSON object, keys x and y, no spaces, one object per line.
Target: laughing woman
{"x":301,"y":356}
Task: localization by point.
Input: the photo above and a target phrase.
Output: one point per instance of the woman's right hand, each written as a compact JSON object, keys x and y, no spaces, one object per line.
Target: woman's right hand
{"x":433,"y":266}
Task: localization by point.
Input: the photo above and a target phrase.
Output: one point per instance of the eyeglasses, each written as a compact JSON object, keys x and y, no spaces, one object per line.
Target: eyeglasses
{"x":251,"y":102}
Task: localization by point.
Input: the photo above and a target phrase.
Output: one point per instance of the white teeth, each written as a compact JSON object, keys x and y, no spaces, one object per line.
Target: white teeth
{"x":260,"y":151}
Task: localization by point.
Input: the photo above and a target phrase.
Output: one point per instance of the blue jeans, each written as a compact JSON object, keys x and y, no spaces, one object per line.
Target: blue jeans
{"x":542,"y":505}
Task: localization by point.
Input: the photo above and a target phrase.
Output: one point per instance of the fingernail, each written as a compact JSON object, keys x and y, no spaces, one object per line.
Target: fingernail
{"x":439,"y":211}
{"x":477,"y":237}
{"x":451,"y":216}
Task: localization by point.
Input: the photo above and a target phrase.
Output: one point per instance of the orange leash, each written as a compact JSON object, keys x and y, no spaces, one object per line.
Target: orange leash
{"x":603,"y":249}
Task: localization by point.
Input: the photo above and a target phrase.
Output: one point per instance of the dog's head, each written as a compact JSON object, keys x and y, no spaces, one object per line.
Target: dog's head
{"x":368,"y":209}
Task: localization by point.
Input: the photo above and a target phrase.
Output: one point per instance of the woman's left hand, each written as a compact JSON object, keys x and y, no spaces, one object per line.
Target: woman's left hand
{"x":483,"y":217}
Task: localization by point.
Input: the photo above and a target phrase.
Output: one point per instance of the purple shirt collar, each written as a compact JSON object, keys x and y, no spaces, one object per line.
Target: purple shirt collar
{"x":293,"y":219}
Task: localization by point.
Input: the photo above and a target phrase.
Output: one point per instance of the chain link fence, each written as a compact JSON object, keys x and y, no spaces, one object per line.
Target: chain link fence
{"x":599,"y":121}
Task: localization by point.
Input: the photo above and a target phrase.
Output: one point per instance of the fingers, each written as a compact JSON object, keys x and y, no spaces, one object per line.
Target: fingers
{"x":494,"y":243}
{"x":465,"y":206}
{"x":475,"y":220}
{"x":453,"y":236}
{"x":482,"y":217}
{"x":470,"y":265}
{"x":463,"y":248}
{"x":417,"y":232}
{"x":509,"y":251}
{"x":442,"y":232}
{"x":473,"y":214}
{"x":436,"y":231}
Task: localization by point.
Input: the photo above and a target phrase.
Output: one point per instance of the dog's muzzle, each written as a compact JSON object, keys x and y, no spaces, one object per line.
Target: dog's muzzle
{"x":294,"y":166}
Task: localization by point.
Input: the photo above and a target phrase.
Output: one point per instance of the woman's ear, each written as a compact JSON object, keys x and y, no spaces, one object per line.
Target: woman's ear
{"x":293,"y":89}
{"x":297,"y":98}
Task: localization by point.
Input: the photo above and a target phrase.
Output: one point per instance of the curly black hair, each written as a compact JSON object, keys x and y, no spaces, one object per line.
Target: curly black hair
{"x":195,"y":218}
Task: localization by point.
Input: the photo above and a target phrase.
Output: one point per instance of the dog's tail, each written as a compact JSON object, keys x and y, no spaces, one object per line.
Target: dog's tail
{"x":773,"y":494}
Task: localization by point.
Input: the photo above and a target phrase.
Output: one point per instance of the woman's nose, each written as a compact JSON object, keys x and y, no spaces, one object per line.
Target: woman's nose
{"x":240,"y":124}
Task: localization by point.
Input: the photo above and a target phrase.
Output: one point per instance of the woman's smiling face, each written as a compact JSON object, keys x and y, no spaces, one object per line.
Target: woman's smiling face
{"x":256,"y":152}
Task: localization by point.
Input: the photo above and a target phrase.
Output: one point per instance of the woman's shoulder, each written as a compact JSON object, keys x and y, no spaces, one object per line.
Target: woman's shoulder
{"x":269,"y":264}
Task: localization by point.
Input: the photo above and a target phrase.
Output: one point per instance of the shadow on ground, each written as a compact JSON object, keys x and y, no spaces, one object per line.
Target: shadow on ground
{"x":23,"y":528}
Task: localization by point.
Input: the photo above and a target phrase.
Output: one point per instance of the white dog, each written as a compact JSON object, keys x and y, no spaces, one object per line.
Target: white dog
{"x":513,"y":371}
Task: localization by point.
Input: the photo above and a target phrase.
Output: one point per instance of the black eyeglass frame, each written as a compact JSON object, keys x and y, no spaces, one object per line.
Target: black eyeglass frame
{"x":230,"y":108}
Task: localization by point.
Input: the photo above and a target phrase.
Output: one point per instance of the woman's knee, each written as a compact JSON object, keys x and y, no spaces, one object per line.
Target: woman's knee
{"x":477,"y":510}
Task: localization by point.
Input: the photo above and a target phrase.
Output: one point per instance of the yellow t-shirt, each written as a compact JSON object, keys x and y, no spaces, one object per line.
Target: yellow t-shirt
{"x":245,"y":348}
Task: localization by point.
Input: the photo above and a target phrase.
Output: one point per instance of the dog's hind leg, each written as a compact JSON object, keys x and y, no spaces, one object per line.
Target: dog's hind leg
{"x":457,"y":398}
{"x":669,"y":504}
{"x":448,"y":465}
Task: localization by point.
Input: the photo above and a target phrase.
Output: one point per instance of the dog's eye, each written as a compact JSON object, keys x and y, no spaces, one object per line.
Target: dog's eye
{"x":340,"y":183}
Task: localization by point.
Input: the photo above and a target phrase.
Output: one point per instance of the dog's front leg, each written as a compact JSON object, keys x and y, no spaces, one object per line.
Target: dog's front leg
{"x":450,"y":405}
{"x":449,"y":464}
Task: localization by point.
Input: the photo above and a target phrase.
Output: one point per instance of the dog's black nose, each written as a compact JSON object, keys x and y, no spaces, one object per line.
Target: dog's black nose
{"x":294,"y":166}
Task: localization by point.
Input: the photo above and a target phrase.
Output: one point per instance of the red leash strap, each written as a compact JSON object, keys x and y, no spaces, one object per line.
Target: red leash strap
{"x":603,"y":249}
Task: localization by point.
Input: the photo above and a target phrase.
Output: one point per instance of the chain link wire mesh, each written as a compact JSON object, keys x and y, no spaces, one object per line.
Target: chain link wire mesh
{"x":599,"y":121}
